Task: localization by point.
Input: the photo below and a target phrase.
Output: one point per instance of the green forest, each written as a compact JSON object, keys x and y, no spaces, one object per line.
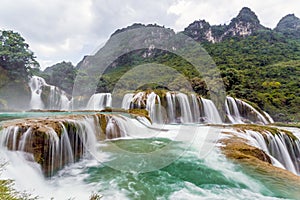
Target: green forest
{"x":263,"y":68}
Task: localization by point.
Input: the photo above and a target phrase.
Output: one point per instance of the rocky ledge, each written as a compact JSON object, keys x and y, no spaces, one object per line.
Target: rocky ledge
{"x":257,"y":163}
{"x":60,"y":140}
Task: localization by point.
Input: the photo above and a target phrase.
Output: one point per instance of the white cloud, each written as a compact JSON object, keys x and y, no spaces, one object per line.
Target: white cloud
{"x":219,"y":12}
{"x":67,"y":30}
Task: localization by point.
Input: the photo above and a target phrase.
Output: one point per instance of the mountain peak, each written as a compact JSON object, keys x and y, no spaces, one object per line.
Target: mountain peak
{"x":136,"y":25}
{"x":246,"y":19}
{"x":247,"y":15}
{"x":289,"y":26}
{"x":243,"y":25}
{"x":289,"y":22}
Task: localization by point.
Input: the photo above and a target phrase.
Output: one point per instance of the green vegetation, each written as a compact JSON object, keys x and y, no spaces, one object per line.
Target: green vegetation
{"x":7,"y":191}
{"x":263,"y":129}
{"x":280,"y":124}
{"x":17,"y":63}
{"x":263,"y":68}
{"x":15,"y":55}
{"x":61,"y":75}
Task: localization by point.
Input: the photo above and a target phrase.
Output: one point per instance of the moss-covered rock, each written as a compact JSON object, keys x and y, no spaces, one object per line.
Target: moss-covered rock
{"x":140,"y":113}
{"x":47,"y":132}
{"x":238,"y":149}
{"x":257,"y":164}
{"x":103,"y":122}
{"x":263,"y":129}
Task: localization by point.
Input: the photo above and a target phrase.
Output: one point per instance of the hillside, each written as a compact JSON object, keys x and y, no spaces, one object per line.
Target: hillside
{"x":257,"y":64}
{"x":17,"y":63}
{"x":246,"y":23}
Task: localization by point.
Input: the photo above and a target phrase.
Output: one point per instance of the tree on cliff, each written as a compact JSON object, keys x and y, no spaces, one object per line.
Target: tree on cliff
{"x":15,"y":55}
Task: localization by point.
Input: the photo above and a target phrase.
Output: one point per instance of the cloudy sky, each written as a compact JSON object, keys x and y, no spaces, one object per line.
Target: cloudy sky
{"x":58,"y":30}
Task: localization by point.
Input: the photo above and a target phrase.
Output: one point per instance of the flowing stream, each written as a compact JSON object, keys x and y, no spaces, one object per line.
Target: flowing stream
{"x":170,"y":162}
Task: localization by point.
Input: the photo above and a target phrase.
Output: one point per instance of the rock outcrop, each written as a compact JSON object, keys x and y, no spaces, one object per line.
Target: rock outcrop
{"x":257,"y":163}
{"x":289,"y":26}
{"x":57,"y":141}
{"x":245,"y":24}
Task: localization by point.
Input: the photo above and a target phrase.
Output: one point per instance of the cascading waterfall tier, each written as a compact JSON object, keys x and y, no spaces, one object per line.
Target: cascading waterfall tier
{"x":56,"y":142}
{"x":210,"y":111}
{"x":232,"y":111}
{"x":176,"y":107}
{"x":239,"y":112}
{"x":36,"y":86}
{"x":45,"y":96}
{"x":99,"y":101}
{"x":169,"y":107}
{"x":283,"y":147}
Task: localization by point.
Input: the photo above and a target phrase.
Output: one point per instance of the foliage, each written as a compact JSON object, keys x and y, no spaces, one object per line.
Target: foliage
{"x":61,"y":74}
{"x":17,"y":63}
{"x":15,"y":55}
{"x":262,"y":68}
{"x":95,"y":196}
{"x":7,"y":191}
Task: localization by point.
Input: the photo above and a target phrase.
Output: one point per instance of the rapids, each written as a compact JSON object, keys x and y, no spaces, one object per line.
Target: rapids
{"x":170,"y":161}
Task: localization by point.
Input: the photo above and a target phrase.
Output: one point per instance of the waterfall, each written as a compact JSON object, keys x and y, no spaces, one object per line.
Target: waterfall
{"x":153,"y":105}
{"x":210,"y":111}
{"x":185,"y":108}
{"x":126,"y":102}
{"x":36,"y":86}
{"x":195,"y":109}
{"x":57,"y":149}
{"x":99,"y":101}
{"x":182,"y":108}
{"x":286,"y":151}
{"x":151,"y":102}
{"x":232,"y":111}
{"x":239,"y":112}
{"x":269,"y":118}
{"x":56,"y":99}
{"x":250,"y":113}
{"x":116,"y":128}
{"x":170,"y":97}
{"x":60,"y":141}
{"x":283,"y":150}
{"x":138,"y":100}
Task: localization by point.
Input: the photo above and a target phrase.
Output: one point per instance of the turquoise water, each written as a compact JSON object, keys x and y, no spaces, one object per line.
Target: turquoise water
{"x":4,"y":116}
{"x":175,"y":170}
{"x":17,"y":115}
{"x":189,"y":177}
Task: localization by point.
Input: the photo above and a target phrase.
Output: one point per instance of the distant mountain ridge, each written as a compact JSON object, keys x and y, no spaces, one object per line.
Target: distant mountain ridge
{"x":289,"y":26}
{"x":257,"y":63}
{"x":245,"y":24}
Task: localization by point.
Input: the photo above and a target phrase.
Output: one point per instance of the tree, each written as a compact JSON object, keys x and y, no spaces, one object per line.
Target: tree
{"x":15,"y":55}
{"x":61,"y":75}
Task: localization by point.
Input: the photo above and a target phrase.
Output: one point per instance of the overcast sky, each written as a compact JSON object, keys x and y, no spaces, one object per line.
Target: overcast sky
{"x":58,"y":30}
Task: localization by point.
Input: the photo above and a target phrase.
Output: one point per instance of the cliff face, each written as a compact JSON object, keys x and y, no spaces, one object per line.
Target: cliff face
{"x":289,"y":26}
{"x":245,"y":24}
